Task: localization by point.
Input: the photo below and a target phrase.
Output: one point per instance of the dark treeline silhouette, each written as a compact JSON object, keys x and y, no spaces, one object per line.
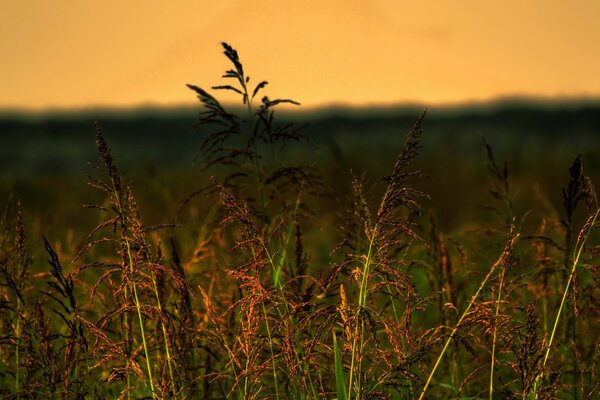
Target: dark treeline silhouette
{"x":60,"y":142}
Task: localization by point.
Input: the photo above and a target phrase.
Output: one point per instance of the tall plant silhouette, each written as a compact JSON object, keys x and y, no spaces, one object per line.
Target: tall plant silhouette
{"x":249,"y":146}
{"x":264,"y":197}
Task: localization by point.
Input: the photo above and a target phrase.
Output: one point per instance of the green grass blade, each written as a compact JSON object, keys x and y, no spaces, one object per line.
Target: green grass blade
{"x":340,"y":380}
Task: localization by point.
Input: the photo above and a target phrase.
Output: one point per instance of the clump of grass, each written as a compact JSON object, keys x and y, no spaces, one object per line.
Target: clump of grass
{"x":62,"y":293}
{"x":15,"y":269}
{"x":376,"y":240}
{"x":138,"y":270}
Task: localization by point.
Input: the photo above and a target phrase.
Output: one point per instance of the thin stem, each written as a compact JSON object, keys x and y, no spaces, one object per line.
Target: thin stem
{"x":271,"y":348}
{"x":140,"y":318}
{"x":121,"y":213}
{"x":495,"y":335}
{"x":146,"y":353}
{"x":361,"y":304}
{"x":246,"y":378}
{"x":128,"y":347}
{"x":164,"y":332}
{"x":128,"y":384}
{"x":17,"y":353}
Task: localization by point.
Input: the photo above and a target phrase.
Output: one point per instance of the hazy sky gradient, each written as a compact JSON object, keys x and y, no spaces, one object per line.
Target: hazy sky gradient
{"x":66,"y":53}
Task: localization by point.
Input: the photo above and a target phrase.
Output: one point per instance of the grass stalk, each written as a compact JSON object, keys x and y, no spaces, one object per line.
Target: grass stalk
{"x":495,"y":333}
{"x":165,"y":338}
{"x":115,"y":192}
{"x":271,"y":349}
{"x":135,"y":294}
{"x":140,"y":318}
{"x":128,"y":348}
{"x":17,"y":350}
{"x":361,"y":304}
{"x":247,"y":366}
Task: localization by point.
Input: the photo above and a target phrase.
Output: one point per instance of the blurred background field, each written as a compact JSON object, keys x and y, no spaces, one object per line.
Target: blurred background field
{"x":44,"y":158}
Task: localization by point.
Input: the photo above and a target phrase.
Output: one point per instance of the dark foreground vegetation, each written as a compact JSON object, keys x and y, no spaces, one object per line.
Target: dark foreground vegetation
{"x":261,"y":272}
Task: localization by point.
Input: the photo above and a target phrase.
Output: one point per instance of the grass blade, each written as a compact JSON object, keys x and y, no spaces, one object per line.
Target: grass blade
{"x":340,"y":380}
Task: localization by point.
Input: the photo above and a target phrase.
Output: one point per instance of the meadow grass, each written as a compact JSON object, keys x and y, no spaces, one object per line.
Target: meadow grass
{"x":233,"y":297}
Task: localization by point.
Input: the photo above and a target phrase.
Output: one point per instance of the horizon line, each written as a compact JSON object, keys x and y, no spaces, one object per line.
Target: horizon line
{"x":162,"y":108}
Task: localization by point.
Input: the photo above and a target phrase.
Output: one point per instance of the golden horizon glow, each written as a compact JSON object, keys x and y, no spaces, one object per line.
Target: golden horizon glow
{"x":65,"y":54}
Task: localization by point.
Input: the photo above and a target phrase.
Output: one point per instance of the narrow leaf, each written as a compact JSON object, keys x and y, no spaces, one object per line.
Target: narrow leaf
{"x":340,"y":380}
{"x":258,"y":87}
{"x":227,"y":87}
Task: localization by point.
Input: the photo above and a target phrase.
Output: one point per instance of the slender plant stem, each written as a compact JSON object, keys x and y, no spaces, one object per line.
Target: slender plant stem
{"x":121,"y":213}
{"x":17,"y":351}
{"x":495,"y":335}
{"x":164,"y":332}
{"x":128,"y":346}
{"x":141,"y":319}
{"x":272,"y":353}
{"x":128,"y":384}
{"x":246,"y":378}
{"x":361,"y":304}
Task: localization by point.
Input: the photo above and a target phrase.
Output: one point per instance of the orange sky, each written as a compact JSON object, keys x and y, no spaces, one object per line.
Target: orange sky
{"x":65,"y":53}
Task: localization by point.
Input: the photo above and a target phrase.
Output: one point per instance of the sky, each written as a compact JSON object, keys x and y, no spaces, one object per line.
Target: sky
{"x":64,"y":54}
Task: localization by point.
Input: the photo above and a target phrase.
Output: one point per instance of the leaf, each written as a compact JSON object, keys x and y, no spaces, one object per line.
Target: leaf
{"x":231,"y":74}
{"x":277,"y":276}
{"x":233,"y":56}
{"x":447,"y":386}
{"x":227,"y":87}
{"x":258,"y":87}
{"x":340,"y":380}
{"x":271,"y":103}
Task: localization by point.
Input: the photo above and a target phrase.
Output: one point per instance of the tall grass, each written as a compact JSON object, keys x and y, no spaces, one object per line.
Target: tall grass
{"x":244,"y":298}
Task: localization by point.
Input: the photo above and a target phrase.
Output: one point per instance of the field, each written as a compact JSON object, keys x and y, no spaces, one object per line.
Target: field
{"x":236,"y":253}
